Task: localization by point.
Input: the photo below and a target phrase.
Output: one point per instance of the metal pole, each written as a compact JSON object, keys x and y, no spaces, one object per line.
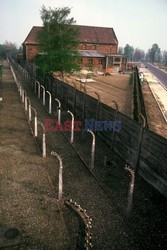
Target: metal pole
{"x":92,"y":149}
{"x":72,"y":126}
{"x":131,"y":189}
{"x":43,"y":95}
{"x":60,"y":174}
{"x":50,"y":102}
{"x":59,"y":109}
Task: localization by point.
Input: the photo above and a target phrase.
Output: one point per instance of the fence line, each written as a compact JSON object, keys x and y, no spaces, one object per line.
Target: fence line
{"x":130,"y":143}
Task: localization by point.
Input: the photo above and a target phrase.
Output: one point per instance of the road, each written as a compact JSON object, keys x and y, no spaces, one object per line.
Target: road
{"x":159,"y":74}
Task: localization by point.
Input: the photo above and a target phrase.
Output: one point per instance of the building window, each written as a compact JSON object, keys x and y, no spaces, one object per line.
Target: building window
{"x":81,"y":60}
{"x":117,"y":59}
{"x":90,"y":61}
{"x":100,"y":61}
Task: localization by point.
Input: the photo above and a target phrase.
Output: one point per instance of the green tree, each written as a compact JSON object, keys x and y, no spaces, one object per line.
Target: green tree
{"x":120,"y":51}
{"x":155,"y":53}
{"x":164,"y":58}
{"x":2,"y":51}
{"x":10,"y":49}
{"x":58,"y":42}
{"x":128,"y":51}
{"x":139,"y":55}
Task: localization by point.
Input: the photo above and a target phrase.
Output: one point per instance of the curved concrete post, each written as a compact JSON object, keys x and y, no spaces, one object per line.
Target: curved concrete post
{"x":43,"y":140}
{"x":131,"y":189}
{"x":29,"y":109}
{"x":93,"y":148}
{"x":72,"y":127}
{"x":35,"y":123}
{"x":43,"y":94}
{"x":60,"y":194}
{"x":50,"y":102}
{"x":59,"y":109}
{"x":39,"y":88}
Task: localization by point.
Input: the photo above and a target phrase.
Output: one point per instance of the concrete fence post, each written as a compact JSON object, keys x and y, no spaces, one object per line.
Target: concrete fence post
{"x":92,"y":149}
{"x":22,"y":95}
{"x":72,"y":127}
{"x":59,"y":109}
{"x":39,"y":88}
{"x":29,"y":108}
{"x":50,"y":102}
{"x":60,"y":194}
{"x":43,"y":94}
{"x":35,"y":123}
{"x":131,"y":189}
{"x":25,"y":103}
{"x":43,"y":140}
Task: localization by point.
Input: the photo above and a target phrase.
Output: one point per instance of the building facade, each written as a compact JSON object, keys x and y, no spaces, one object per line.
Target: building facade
{"x":97,"y":46}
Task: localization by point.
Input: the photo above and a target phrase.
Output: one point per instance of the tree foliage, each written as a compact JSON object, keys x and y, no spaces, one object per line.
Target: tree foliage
{"x":139,"y":55}
{"x":2,"y":51}
{"x":120,"y":51}
{"x":128,"y":51}
{"x":164,"y":57}
{"x":154,"y":53}
{"x":58,"y":41}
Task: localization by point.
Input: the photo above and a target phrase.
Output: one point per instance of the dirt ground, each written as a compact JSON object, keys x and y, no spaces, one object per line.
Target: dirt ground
{"x":111,"y":88}
{"x":28,"y":199}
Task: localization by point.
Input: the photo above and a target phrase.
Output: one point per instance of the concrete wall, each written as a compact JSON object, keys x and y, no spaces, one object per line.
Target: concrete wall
{"x":153,"y":160}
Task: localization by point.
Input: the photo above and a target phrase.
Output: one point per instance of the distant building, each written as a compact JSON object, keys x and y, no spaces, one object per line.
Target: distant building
{"x":98,"y":48}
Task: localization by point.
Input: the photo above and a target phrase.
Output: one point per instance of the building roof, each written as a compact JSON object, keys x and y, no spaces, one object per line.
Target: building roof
{"x":116,"y":55}
{"x":90,"y":53}
{"x":92,"y":34}
{"x":32,"y":36}
{"x":87,"y":34}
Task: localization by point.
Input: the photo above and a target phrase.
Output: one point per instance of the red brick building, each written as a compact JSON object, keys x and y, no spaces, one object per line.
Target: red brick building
{"x":98,"y":48}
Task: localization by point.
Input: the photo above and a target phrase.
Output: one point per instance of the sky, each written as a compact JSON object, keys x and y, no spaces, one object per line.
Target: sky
{"x":140,"y":23}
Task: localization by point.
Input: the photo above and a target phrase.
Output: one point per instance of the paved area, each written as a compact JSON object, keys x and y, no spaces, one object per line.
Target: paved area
{"x":155,"y":97}
{"x":103,"y":195}
{"x":159,"y":74}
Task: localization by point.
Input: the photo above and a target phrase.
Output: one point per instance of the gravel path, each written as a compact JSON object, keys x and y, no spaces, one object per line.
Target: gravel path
{"x":28,"y":200}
